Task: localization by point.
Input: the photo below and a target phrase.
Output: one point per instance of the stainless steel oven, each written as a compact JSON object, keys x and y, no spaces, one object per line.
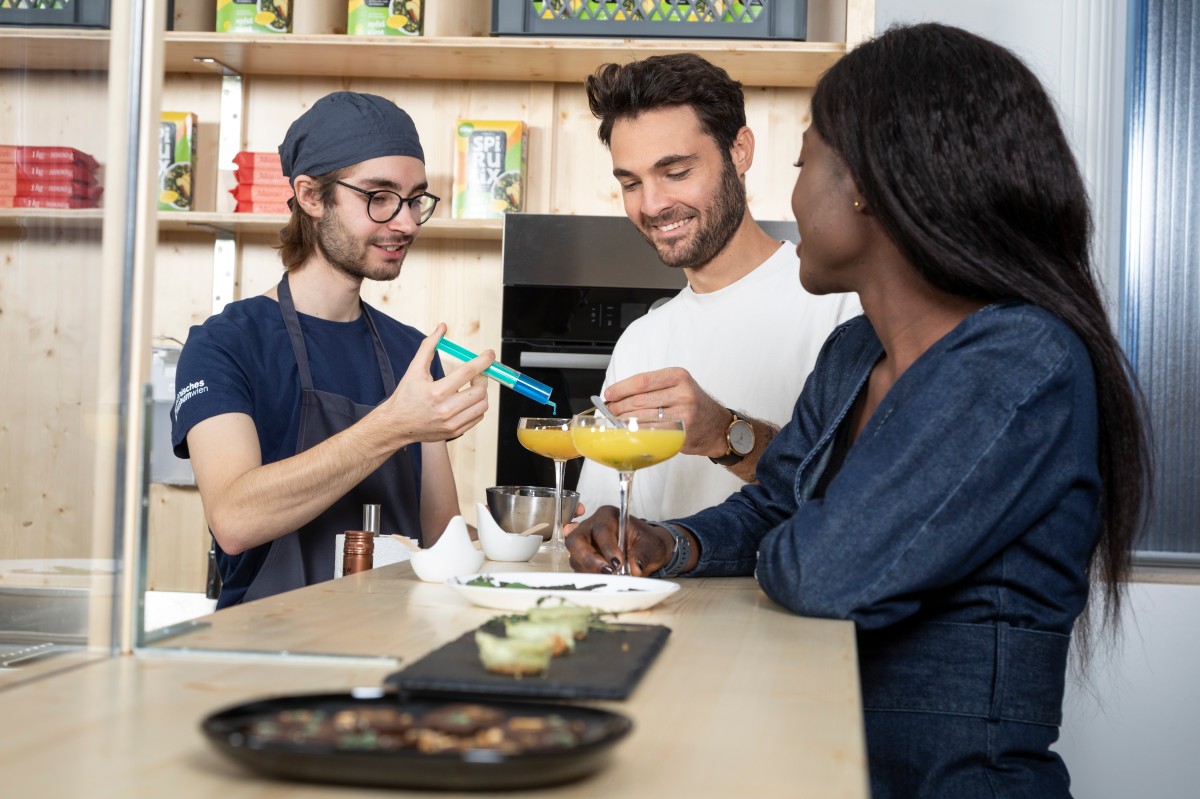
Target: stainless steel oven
{"x":572,"y":284}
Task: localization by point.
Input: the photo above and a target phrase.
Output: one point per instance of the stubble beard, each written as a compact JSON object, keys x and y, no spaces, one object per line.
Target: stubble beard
{"x":715,"y":227}
{"x":345,"y":255}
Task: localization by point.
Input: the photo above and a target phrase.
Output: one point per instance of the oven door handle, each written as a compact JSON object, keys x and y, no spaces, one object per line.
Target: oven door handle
{"x":565,"y":360}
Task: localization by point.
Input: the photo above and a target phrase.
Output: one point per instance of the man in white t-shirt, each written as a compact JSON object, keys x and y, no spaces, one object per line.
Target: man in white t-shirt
{"x":730,"y":353}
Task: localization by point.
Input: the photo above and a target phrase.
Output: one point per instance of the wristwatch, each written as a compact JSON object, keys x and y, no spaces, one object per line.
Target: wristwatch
{"x":739,"y":441}
{"x":681,"y":555}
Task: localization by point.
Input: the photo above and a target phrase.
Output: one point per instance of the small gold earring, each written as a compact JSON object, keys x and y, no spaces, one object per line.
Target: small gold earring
{"x":857,"y":203}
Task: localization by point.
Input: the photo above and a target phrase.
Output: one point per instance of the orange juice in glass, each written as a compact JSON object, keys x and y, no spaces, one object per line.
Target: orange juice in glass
{"x":626,"y":446}
{"x":550,"y":438}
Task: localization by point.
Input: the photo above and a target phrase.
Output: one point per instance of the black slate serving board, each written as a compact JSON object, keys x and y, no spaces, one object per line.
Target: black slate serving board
{"x":606,"y":665}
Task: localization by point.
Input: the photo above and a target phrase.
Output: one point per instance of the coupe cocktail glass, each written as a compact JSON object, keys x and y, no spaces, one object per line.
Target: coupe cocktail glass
{"x":550,"y":438}
{"x":627,"y":446}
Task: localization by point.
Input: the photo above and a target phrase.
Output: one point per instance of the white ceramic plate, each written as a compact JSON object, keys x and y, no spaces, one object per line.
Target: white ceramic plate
{"x":614,"y":594}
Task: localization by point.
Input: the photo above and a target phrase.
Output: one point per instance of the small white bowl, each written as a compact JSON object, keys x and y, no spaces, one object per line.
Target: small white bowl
{"x":451,"y":555}
{"x":502,"y":546}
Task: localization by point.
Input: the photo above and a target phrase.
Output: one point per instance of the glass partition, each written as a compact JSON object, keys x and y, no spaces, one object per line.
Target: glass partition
{"x":66,"y":285}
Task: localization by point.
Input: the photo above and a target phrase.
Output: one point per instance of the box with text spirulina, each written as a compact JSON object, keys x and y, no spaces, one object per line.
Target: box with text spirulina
{"x":489,"y":168}
{"x":254,"y":16}
{"x":385,"y":18}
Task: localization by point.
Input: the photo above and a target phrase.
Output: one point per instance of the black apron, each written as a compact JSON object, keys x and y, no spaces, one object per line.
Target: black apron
{"x":306,"y":556}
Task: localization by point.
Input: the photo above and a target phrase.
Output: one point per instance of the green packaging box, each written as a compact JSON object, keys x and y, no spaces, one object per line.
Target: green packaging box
{"x":490,"y":160}
{"x":254,"y":16}
{"x":176,"y":160}
{"x":385,"y":18}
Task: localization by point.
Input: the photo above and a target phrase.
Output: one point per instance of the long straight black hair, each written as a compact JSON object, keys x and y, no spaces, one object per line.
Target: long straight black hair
{"x":958,"y":152}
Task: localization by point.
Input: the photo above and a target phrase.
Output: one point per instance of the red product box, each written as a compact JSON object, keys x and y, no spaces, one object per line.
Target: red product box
{"x":33,"y":187}
{"x":261,"y":208}
{"x":19,"y":154}
{"x":48,"y":202}
{"x":248,"y":192}
{"x":48,"y":171}
{"x":251,"y":160}
{"x":261,"y":176}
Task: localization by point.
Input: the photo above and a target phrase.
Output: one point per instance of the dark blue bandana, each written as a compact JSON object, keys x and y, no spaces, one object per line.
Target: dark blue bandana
{"x":346,"y":128}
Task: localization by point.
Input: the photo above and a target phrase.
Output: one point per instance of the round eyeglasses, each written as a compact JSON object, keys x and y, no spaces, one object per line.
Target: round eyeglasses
{"x":383,"y":204}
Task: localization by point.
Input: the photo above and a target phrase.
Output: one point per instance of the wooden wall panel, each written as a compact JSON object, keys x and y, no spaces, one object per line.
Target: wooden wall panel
{"x":183,"y":281}
{"x":55,"y":434}
{"x":51,"y":429}
{"x":778,"y":118}
{"x":177,"y":554}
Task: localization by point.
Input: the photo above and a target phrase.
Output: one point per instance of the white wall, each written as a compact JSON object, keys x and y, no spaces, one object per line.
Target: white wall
{"x":1077,"y":48}
{"x":1132,"y":730}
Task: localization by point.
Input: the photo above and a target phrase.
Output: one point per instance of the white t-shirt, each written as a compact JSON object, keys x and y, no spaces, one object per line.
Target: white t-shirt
{"x":750,"y":345}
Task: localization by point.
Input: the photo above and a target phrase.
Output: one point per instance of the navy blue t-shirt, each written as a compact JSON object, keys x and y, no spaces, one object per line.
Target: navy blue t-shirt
{"x":241,"y":361}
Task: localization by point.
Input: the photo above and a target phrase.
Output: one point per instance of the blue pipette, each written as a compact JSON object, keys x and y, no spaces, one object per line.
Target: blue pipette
{"x":525,"y":386}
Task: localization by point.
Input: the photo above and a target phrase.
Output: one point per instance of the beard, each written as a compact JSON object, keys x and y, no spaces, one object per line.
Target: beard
{"x":714,"y":227}
{"x":351,"y":257}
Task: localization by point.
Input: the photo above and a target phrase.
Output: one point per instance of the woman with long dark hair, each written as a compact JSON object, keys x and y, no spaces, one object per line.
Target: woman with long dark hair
{"x":970,"y":455}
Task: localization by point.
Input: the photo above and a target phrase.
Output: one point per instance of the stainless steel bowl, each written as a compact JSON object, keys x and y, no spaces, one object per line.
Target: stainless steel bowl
{"x":517,"y":508}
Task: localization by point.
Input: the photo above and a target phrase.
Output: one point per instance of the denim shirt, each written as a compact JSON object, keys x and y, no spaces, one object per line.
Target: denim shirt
{"x":957,"y":533}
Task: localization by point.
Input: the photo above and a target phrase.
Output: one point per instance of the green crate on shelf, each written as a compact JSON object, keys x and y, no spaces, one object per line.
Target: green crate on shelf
{"x":669,"y":19}
{"x":55,"y":13}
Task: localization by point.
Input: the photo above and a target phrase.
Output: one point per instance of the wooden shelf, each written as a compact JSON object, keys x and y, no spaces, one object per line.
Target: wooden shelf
{"x":58,"y":217}
{"x":565,"y":60}
{"x":269,"y":224}
{"x":54,"y":48}
{"x":245,"y":224}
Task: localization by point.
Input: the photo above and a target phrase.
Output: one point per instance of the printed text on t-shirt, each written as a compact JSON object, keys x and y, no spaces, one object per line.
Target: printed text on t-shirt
{"x":187,"y":392}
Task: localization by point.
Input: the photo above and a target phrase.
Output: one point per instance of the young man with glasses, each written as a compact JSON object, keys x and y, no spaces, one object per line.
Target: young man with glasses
{"x":301,"y":405}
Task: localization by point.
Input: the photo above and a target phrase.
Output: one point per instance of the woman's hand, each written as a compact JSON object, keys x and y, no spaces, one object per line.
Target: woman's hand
{"x":593,"y":544}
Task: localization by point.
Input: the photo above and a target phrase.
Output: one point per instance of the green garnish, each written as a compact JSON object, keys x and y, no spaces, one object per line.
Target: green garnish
{"x":487,"y":581}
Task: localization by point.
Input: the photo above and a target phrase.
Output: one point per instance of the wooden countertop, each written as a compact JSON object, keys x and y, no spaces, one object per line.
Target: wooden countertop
{"x":744,"y":700}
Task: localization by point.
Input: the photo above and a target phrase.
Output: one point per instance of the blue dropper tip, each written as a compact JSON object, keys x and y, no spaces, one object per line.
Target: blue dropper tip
{"x":539,"y":392}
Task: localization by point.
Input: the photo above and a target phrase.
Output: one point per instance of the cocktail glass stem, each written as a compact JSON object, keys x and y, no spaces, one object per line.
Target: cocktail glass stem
{"x":626,"y":483}
{"x":556,"y":538}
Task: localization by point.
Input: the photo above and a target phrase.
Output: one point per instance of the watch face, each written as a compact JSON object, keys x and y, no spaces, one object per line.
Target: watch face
{"x":741,"y":437}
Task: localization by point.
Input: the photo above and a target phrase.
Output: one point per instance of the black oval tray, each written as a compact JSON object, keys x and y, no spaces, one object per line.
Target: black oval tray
{"x":472,"y":770}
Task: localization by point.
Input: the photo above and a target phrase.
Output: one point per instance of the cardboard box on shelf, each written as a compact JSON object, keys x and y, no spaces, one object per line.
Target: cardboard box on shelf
{"x":35,"y":187}
{"x":48,"y":202}
{"x":254,"y":16}
{"x":261,"y":187}
{"x":25,"y":155}
{"x":489,"y":168}
{"x":249,"y":192}
{"x":248,"y":159}
{"x":70,"y":171}
{"x":261,"y":176}
{"x":176,"y":160}
{"x":261,"y":208}
{"x":38,"y":176}
{"x":385,"y":18}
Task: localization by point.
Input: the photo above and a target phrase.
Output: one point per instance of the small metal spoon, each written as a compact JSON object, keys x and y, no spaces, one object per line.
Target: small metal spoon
{"x":605,"y":412}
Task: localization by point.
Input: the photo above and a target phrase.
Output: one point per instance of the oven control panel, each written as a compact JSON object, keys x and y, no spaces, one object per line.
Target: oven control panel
{"x":575,"y":314}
